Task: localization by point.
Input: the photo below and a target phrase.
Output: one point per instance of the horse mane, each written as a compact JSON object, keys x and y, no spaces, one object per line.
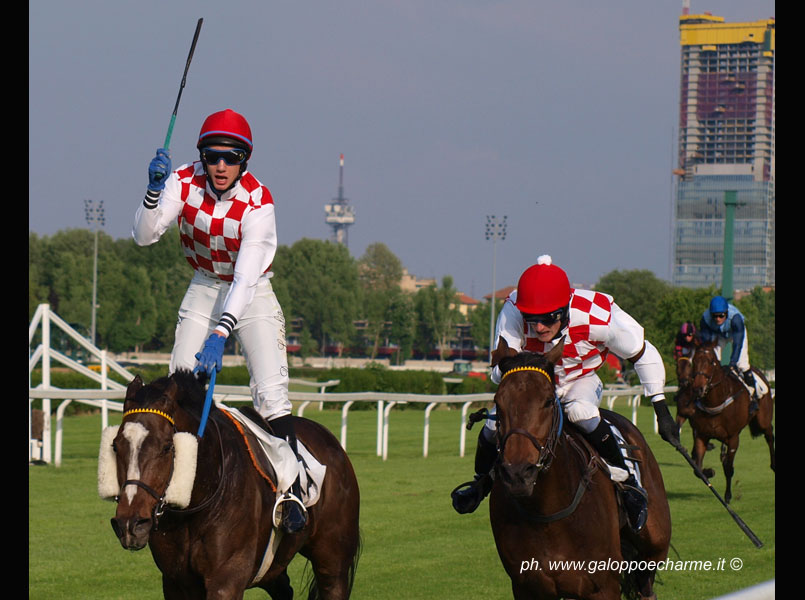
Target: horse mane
{"x":525,"y":359}
{"x":191,"y":399}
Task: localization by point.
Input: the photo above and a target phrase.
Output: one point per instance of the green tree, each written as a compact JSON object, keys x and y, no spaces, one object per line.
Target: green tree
{"x":437,"y":320}
{"x":379,"y":273}
{"x":168,"y":275}
{"x":322,"y":279}
{"x":637,"y":292}
{"x":675,"y":308}
{"x":758,"y":311}
{"x":402,"y":315}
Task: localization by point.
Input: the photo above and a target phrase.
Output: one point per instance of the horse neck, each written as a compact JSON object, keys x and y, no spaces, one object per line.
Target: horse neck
{"x":722,"y":386}
{"x":556,"y":486}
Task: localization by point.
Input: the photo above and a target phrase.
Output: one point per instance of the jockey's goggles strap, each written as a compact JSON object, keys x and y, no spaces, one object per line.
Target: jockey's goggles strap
{"x":149,"y":410}
{"x":537,"y":369}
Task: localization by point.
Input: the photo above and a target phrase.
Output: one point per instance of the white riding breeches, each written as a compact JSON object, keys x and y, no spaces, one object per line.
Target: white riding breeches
{"x":743,"y":357}
{"x":260,"y":331}
{"x":580,"y":399}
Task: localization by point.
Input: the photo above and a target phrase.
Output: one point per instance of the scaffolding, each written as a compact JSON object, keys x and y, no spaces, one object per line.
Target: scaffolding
{"x":726,"y":143}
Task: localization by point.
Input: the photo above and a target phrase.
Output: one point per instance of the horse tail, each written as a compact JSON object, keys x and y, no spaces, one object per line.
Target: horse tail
{"x":311,"y":587}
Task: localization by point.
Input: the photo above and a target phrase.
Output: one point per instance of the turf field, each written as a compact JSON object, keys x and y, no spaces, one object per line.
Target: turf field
{"x":414,"y":545}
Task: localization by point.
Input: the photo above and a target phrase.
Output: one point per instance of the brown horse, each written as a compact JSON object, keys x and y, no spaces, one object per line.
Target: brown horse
{"x":215,"y":546}
{"x":721,"y":403}
{"x":685,"y":407}
{"x":553,"y":499}
{"x":684,"y":376}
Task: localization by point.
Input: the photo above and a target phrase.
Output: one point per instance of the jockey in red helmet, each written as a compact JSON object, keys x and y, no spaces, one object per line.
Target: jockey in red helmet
{"x":541,"y":313}
{"x":228,"y":233}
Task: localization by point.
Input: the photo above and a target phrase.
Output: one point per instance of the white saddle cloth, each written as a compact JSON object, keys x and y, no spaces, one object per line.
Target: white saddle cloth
{"x":283,"y":459}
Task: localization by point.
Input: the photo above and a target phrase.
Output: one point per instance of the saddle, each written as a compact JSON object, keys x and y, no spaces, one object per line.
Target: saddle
{"x":274,"y":458}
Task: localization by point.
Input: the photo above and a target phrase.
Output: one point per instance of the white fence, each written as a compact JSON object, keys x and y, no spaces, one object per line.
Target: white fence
{"x":110,"y":400}
{"x":108,"y":396}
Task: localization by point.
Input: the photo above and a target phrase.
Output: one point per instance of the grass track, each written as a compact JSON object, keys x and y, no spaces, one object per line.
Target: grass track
{"x":415,"y":545}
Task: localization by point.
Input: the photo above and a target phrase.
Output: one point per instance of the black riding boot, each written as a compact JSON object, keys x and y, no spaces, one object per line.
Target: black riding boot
{"x":468,"y":496}
{"x":635,"y":498}
{"x":749,"y":380}
{"x":294,"y":516}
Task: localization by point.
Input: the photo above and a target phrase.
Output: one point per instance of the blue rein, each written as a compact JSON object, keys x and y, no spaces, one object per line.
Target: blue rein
{"x":207,"y":403}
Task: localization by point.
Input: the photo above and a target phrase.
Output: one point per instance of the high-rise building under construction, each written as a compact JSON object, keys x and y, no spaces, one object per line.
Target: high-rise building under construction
{"x":726,"y":144}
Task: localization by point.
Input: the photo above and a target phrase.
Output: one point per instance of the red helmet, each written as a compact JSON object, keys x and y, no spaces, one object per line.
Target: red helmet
{"x":228,"y":128}
{"x":543,"y":288}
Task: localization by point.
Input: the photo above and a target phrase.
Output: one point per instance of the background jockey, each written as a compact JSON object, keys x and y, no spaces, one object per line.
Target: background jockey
{"x":685,"y":341}
{"x":228,"y":234}
{"x":540,"y":313}
{"x":725,"y":323}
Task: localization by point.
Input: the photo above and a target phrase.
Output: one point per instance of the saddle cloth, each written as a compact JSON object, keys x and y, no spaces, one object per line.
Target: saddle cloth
{"x":282,"y":459}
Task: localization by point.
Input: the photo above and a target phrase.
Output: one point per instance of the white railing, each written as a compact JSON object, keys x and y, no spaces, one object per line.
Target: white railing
{"x":105,"y":399}
{"x":41,"y":449}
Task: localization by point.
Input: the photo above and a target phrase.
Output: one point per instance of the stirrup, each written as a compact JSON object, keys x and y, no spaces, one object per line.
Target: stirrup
{"x":277,"y":515}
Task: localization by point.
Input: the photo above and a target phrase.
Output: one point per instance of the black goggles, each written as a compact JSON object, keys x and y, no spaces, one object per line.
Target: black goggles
{"x":546,"y":318}
{"x":231,"y":156}
{"x":718,"y":315}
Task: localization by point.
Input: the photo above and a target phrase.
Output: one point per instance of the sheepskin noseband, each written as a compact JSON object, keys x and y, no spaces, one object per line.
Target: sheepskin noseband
{"x":180,"y":486}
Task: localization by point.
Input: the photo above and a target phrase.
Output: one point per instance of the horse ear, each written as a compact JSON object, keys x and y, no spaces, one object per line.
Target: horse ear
{"x":554,"y":355}
{"x":502,"y":351}
{"x":135,"y":386}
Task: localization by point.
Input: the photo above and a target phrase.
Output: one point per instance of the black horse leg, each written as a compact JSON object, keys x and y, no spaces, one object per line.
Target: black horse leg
{"x":727,"y":461}
{"x":280,"y":587}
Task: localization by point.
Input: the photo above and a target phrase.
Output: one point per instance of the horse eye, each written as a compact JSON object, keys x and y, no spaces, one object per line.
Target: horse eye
{"x":168,"y":447}
{"x":114,"y":447}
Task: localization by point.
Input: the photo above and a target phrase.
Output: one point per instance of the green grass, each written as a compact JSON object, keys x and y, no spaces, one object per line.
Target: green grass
{"x":415,"y":545}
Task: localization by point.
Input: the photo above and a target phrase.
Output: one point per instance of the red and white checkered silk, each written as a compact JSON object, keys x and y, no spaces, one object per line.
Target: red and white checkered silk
{"x":585,"y":350}
{"x":210,"y":231}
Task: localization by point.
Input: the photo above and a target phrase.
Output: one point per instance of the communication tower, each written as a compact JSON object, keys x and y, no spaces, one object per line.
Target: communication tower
{"x":339,"y":215}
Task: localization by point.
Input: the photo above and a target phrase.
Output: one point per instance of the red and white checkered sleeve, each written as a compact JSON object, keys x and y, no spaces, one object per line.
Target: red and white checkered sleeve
{"x":155,"y":215}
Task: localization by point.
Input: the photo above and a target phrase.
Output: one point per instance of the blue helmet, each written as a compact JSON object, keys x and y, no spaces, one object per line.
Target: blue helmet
{"x":718,"y":305}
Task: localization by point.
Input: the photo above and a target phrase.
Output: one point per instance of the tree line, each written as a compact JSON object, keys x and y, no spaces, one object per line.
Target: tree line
{"x":330,"y":299}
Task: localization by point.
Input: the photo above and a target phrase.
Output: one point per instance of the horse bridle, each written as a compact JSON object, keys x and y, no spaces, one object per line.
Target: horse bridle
{"x":709,"y":376}
{"x":161,"y":506}
{"x":546,"y":451}
{"x":547,"y":454}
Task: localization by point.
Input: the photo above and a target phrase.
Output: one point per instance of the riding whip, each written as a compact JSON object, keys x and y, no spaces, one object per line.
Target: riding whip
{"x":181,"y":86}
{"x":207,"y":403}
{"x":744,"y":527}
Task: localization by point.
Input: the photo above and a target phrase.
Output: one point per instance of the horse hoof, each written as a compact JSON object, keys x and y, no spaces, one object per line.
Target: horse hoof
{"x":709,"y":473}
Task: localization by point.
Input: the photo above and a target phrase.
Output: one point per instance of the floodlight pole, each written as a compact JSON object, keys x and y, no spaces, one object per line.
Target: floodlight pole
{"x":495,"y":230}
{"x":95,"y":217}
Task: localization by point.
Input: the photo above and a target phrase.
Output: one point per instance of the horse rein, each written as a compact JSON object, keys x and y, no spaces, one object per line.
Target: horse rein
{"x":546,"y":452}
{"x":161,"y":506}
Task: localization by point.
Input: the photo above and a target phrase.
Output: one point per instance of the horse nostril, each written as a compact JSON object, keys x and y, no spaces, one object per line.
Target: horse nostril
{"x":117,"y":528}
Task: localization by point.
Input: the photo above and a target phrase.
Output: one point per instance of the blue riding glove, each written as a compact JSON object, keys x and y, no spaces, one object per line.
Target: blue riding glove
{"x":212,"y":355}
{"x":158,"y":170}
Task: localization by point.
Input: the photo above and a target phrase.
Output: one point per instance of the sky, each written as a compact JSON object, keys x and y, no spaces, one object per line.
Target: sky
{"x":559,"y":115}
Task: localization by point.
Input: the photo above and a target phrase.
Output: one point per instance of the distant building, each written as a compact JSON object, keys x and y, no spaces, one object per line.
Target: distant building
{"x":410,"y":283}
{"x":726,"y":143}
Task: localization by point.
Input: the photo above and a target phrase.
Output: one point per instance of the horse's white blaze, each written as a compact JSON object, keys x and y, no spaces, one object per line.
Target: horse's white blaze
{"x":135,"y":433}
